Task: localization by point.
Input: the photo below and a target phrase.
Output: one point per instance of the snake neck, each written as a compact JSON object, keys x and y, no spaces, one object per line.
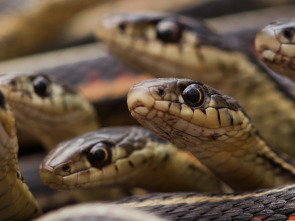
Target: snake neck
{"x":245,"y":161}
{"x":16,"y":200}
{"x":172,"y":169}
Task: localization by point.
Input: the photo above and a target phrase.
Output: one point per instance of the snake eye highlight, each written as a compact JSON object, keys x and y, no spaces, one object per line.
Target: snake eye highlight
{"x":41,"y":86}
{"x":289,"y":33}
{"x":193,"y":95}
{"x":168,"y":31}
{"x":99,"y":155}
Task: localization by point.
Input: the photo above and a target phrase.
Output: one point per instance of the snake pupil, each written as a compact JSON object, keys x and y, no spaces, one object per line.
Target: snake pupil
{"x":168,"y":31}
{"x":193,"y":95}
{"x":122,"y":27}
{"x":40,"y":85}
{"x":289,"y":33}
{"x":98,"y":155}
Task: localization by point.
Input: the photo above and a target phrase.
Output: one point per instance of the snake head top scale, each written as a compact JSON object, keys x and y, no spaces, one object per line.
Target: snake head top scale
{"x":212,"y":126}
{"x":104,"y":158}
{"x":40,"y":102}
{"x":275,"y":45}
{"x":166,"y":43}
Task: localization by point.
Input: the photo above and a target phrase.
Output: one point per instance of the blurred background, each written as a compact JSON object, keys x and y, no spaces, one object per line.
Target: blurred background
{"x":56,"y":37}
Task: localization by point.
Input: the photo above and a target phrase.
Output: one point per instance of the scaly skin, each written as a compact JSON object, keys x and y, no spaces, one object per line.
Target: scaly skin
{"x":17,"y":202}
{"x":47,"y":108}
{"x":191,"y":50}
{"x":213,"y":127}
{"x":275,"y":45}
{"x":129,"y":157}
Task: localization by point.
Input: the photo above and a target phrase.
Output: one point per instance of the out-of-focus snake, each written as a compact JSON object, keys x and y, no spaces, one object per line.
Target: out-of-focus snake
{"x":17,"y":202}
{"x":41,"y":102}
{"x":275,"y":44}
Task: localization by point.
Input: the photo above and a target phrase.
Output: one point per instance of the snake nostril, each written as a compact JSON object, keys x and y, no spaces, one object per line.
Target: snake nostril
{"x":288,"y":33}
{"x":161,"y":92}
{"x":122,"y":27}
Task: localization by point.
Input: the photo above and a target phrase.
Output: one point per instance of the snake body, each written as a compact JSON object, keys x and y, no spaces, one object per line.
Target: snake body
{"x":169,"y":45}
{"x":17,"y":202}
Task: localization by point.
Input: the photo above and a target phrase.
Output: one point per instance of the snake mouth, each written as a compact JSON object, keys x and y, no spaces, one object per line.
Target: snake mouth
{"x":139,"y":100}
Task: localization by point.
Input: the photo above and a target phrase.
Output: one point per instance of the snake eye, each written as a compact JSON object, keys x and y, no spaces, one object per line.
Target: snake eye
{"x":193,"y":95}
{"x":122,"y":27}
{"x":99,"y":155}
{"x":41,"y":86}
{"x":168,"y":31}
{"x":289,"y":33}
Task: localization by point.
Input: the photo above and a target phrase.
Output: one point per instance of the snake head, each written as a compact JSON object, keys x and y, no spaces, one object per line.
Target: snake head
{"x":41,"y":102}
{"x":104,"y":158}
{"x":275,"y":44}
{"x":181,"y":44}
{"x":174,"y":107}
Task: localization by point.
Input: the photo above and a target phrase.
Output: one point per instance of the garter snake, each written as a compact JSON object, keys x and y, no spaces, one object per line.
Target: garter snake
{"x":125,"y":157}
{"x":41,"y":102}
{"x":17,"y":202}
{"x":170,"y":45}
{"x":275,"y":44}
{"x":213,"y":127}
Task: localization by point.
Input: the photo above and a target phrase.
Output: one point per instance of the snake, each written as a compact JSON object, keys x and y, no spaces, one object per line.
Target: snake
{"x":125,"y":157}
{"x":217,"y":131}
{"x":275,"y":45}
{"x":285,"y":164}
{"x":225,"y":130}
{"x":170,"y":45}
{"x":36,"y":99}
{"x":17,"y":201}
{"x":40,"y":102}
